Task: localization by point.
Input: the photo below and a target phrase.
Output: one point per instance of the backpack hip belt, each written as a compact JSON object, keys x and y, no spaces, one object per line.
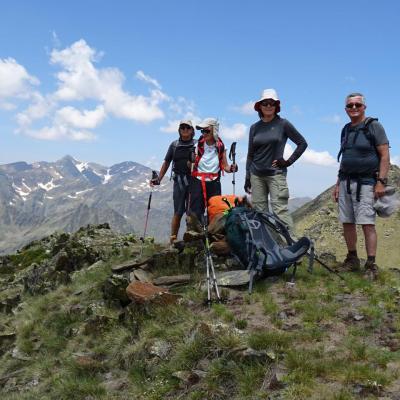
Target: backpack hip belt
{"x":358,"y":178}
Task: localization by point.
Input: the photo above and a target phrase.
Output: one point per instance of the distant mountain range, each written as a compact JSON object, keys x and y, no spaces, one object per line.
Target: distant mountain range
{"x":318,"y":219}
{"x":40,"y":198}
{"x":43,"y":197}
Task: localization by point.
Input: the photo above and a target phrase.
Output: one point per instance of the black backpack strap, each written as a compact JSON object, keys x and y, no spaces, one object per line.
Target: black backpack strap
{"x":343,"y":140}
{"x":367,"y":130}
{"x":174,"y":145}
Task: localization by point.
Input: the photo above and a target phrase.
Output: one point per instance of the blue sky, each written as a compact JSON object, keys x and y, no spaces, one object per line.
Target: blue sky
{"x":108,"y":81}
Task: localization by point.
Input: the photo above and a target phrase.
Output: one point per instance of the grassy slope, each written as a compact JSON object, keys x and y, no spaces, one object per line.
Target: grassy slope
{"x":318,"y":219}
{"x":72,"y":341}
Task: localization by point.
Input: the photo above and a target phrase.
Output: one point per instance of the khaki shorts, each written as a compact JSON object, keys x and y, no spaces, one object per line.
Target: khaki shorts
{"x":352,"y":211}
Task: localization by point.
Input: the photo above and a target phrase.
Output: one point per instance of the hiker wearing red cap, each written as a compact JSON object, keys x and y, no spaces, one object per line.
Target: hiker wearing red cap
{"x":266,"y":168}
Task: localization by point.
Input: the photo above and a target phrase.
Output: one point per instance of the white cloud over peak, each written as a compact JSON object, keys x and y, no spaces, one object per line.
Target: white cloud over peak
{"x":79,"y":79}
{"x":395,"y":160}
{"x":15,"y":80}
{"x":234,"y":132}
{"x":58,"y":115}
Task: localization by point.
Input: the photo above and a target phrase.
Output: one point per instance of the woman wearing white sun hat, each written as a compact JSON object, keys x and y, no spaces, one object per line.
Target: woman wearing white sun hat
{"x":266,"y":169}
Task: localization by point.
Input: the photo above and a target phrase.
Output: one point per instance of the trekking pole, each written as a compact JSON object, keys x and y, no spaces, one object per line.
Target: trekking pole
{"x":232,"y":157}
{"x":154,"y":176}
{"x":328,"y":268}
{"x":211,"y":278}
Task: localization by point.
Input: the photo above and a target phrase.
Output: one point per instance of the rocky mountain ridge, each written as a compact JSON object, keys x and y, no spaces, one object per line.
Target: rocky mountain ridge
{"x":39,"y":198}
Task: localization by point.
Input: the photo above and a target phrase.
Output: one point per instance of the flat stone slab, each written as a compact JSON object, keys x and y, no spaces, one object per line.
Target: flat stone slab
{"x":145,"y":292}
{"x":169,"y":280}
{"x":128,"y":265}
{"x":233,"y":278}
{"x":143,"y":276}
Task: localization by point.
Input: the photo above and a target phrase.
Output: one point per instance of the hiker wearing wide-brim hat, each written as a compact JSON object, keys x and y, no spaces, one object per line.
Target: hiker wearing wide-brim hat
{"x":208,"y":165}
{"x":266,"y":169}
{"x":179,"y":154}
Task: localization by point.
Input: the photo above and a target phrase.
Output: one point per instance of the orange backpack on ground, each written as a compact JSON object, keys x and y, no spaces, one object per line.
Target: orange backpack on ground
{"x":218,"y":206}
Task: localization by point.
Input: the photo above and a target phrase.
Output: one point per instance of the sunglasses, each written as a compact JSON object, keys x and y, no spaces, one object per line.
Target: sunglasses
{"x":354,"y":105}
{"x":185,"y":127}
{"x":205,"y":131}
{"x":268,"y":103}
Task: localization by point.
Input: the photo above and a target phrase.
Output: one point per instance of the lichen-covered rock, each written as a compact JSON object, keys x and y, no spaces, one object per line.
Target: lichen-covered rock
{"x":114,"y":289}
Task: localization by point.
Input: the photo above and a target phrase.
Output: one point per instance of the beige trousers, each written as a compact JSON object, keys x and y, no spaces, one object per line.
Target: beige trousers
{"x":276,"y":188}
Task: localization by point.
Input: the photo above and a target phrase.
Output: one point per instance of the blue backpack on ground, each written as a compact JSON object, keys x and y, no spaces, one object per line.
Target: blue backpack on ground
{"x":262,"y":243}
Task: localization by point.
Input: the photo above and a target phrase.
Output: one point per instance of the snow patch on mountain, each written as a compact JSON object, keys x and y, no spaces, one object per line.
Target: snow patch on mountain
{"x":48,"y":186}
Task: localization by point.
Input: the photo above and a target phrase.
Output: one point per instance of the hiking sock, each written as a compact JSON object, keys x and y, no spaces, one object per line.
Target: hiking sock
{"x":371,"y":259}
{"x":353,"y":253}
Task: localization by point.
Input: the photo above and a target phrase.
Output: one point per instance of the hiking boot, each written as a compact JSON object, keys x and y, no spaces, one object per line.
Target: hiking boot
{"x":350,"y":263}
{"x":371,"y":271}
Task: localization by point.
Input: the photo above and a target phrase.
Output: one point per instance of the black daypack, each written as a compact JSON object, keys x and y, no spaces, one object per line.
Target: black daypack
{"x":186,"y":147}
{"x":262,"y":242}
{"x":357,"y":171}
{"x":365,"y":130}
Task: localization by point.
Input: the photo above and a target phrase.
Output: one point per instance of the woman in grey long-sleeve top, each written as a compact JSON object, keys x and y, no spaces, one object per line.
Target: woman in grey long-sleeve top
{"x":266,"y":168}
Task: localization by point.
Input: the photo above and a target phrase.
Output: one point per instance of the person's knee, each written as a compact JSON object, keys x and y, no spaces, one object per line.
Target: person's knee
{"x":369,"y":228}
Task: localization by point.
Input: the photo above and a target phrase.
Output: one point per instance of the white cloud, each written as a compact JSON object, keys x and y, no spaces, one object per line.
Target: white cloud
{"x":171,"y":127}
{"x":310,"y":156}
{"x":40,"y":108}
{"x":78,"y":79}
{"x":395,"y":160}
{"x":296,"y":110}
{"x":334,"y":119}
{"x":234,"y":132}
{"x":153,"y":163}
{"x":146,"y":78}
{"x":86,"y":119}
{"x":14,"y":79}
{"x":247,"y":108}
{"x":4,"y":105}
{"x":58,"y":131}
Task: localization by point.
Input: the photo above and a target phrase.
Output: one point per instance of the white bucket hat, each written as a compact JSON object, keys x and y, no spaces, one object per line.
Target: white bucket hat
{"x":210,"y":122}
{"x":268,"y":94}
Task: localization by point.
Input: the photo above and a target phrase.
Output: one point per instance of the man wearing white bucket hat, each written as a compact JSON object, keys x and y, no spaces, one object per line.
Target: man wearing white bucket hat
{"x":266,"y":168}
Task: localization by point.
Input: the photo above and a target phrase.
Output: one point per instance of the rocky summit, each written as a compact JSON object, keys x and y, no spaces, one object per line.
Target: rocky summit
{"x":97,"y":314}
{"x":40,"y":198}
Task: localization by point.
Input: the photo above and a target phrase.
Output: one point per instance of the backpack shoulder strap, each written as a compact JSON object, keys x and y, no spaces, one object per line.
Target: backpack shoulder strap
{"x":343,"y":140}
{"x":367,"y":130}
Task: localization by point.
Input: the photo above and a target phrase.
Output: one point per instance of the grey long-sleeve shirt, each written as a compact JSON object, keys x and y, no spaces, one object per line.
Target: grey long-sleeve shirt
{"x":267,"y":142}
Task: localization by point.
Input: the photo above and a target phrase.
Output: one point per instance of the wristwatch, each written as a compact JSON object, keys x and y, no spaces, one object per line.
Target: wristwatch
{"x":384,"y":181}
